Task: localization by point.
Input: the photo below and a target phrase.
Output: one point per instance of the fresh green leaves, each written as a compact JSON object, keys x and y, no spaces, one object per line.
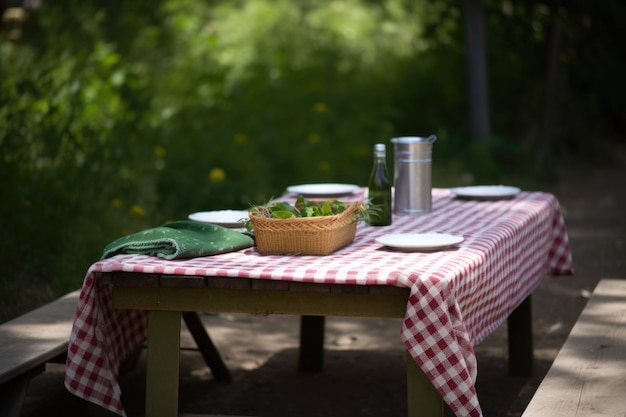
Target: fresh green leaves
{"x":301,"y":208}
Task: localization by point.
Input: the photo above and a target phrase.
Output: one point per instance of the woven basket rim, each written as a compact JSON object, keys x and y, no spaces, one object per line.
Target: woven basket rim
{"x":352,"y":207}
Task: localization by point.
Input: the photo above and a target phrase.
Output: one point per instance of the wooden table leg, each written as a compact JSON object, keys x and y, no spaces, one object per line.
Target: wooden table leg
{"x":163,"y":363}
{"x":423,"y":400}
{"x":520,"y":330}
{"x":312,"y":343}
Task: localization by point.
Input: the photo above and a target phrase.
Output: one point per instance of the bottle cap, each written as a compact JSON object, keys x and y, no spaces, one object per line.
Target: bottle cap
{"x":379,"y":149}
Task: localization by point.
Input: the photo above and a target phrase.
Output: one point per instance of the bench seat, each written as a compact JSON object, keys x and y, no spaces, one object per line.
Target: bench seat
{"x":30,"y":341}
{"x":588,"y":376}
{"x":41,"y":336}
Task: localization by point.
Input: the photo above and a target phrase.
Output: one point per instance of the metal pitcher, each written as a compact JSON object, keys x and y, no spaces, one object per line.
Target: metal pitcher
{"x":413,"y":174}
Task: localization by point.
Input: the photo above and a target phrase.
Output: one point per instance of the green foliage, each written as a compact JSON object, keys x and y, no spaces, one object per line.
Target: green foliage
{"x":117,"y":116}
{"x":64,"y":114}
{"x":301,"y":208}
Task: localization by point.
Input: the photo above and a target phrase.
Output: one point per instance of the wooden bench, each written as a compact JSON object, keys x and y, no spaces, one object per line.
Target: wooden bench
{"x":41,"y":336}
{"x":27,"y":343}
{"x":588,"y":376}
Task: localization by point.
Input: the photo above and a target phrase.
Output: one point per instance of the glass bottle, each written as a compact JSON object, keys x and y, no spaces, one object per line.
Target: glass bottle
{"x":379,"y":188}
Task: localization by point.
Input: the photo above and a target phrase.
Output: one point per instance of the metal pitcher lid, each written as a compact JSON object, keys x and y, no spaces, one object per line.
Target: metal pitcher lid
{"x":414,"y":139}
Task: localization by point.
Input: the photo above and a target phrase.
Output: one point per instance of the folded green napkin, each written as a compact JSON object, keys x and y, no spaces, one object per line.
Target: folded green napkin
{"x":180,"y":239}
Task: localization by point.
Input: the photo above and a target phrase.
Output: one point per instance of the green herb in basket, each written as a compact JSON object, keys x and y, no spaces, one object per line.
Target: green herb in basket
{"x":303,"y":208}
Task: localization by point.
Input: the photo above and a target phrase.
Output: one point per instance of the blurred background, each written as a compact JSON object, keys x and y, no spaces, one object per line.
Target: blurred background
{"x":119,"y":116}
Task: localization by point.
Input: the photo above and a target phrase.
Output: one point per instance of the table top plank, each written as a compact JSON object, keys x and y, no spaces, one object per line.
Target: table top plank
{"x":232,"y":283}
{"x":267,"y":284}
{"x":190,"y":281}
{"x":133,"y":279}
{"x":185,"y":281}
{"x":261,"y":301}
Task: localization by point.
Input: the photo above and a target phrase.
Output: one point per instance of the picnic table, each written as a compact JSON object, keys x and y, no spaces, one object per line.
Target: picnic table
{"x":450,"y":299}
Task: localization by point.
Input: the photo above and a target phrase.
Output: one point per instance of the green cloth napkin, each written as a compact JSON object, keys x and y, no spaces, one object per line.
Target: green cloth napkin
{"x":180,"y":239}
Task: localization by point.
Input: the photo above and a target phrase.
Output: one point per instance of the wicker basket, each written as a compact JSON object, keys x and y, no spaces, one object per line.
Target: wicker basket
{"x":305,"y":235}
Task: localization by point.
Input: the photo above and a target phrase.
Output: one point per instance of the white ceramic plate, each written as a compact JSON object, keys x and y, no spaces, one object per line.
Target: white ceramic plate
{"x":420,"y":241}
{"x":323,"y":190}
{"x":226,"y":218}
{"x":486,"y":192}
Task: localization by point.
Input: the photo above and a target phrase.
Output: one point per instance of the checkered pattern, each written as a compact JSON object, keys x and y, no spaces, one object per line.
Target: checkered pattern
{"x":457,"y":296}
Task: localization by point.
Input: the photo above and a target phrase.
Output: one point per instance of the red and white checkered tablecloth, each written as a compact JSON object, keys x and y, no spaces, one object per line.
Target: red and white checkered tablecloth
{"x":457,"y":296}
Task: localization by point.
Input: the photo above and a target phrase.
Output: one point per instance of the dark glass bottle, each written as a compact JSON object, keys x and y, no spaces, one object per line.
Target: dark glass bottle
{"x":379,"y":188}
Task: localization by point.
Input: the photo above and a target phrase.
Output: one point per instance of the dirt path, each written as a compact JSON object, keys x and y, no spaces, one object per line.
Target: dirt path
{"x":364,"y":359}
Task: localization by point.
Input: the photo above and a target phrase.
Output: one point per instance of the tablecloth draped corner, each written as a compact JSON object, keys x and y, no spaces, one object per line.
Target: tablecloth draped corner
{"x":96,"y":318}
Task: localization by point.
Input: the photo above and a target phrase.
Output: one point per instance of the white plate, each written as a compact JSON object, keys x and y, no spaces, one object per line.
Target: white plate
{"x":226,"y":218}
{"x":486,"y":192}
{"x":323,"y":190}
{"x":420,"y":241}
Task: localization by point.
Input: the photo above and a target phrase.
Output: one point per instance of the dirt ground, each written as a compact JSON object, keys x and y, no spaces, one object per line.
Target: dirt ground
{"x":364,"y":359}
